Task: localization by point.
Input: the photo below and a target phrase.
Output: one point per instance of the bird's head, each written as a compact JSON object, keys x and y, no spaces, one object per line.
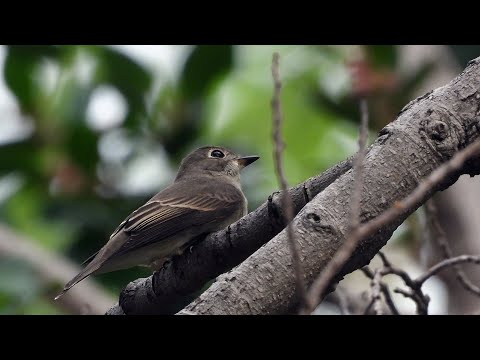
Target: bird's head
{"x":213,"y":160}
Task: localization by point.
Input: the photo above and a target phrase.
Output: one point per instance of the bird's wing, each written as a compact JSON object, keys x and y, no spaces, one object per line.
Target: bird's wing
{"x":160,"y":218}
{"x":164,"y":215}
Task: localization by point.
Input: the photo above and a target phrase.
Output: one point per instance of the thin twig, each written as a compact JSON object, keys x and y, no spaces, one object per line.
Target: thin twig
{"x":348,"y":247}
{"x":440,"y":237}
{"x":369,"y":228}
{"x":377,"y":305}
{"x":384,"y":259}
{"x":287,"y":204}
{"x":422,"y":307}
{"x":421,"y":300}
{"x":446,"y":263}
{"x":385,"y":291}
{"x":388,"y":299}
{"x":415,"y":292}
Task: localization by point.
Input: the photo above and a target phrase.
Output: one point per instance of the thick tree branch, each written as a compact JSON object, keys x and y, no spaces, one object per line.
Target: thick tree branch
{"x":220,"y":251}
{"x":429,"y":131}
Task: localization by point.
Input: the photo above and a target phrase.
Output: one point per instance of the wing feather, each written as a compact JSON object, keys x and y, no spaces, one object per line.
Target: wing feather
{"x":161,"y":218}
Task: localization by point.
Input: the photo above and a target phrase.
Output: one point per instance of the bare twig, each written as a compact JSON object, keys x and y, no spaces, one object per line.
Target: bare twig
{"x":287,"y":204}
{"x":415,"y":292}
{"x":367,"y":229}
{"x":384,"y":259}
{"x":375,"y":285}
{"x":388,"y":299}
{"x":342,"y":255}
{"x":444,"y":264}
{"x":422,"y":306}
{"x":440,"y":237}
{"x":385,"y":290}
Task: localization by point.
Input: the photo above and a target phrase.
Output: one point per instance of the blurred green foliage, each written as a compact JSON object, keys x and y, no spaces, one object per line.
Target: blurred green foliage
{"x":71,"y":194}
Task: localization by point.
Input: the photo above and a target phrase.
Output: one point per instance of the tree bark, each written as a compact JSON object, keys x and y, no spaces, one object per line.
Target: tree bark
{"x":427,"y":132}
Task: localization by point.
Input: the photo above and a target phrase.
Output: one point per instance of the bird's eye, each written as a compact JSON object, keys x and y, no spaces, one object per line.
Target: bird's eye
{"x":217,"y":154}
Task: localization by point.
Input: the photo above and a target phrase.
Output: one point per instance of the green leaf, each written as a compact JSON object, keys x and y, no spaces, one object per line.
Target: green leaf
{"x":19,"y":71}
{"x":130,"y":78}
{"x":27,"y":212}
{"x":382,"y":56}
{"x":20,"y":156}
{"x":205,"y":64}
{"x":81,"y":146}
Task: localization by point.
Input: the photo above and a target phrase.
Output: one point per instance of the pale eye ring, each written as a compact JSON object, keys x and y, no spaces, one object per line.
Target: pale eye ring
{"x":217,"y":154}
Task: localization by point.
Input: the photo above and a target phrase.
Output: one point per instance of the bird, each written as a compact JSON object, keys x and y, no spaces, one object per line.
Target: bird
{"x":205,"y":196}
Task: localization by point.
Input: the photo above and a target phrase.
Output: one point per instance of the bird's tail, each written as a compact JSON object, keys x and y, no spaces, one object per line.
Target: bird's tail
{"x":79,"y":277}
{"x":96,"y":262}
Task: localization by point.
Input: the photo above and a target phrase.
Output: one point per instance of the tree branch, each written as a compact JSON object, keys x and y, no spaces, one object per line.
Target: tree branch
{"x":440,"y":237}
{"x":385,"y":291}
{"x":444,"y":264}
{"x":429,"y":131}
{"x":415,"y":290}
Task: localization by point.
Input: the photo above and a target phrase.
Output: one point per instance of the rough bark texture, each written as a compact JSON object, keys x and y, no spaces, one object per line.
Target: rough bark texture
{"x":427,"y":132}
{"x":220,"y":251}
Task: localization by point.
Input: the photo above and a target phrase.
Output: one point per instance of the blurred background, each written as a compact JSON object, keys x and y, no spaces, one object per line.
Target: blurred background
{"x":89,"y":133}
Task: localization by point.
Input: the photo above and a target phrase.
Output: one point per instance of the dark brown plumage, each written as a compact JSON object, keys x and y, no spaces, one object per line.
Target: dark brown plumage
{"x":206,"y":196}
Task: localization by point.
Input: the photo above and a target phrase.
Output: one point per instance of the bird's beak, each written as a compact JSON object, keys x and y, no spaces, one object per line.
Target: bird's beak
{"x":247,"y":160}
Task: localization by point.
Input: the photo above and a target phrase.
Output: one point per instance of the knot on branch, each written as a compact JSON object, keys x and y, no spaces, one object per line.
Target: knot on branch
{"x":313,"y":221}
{"x":437,"y":130}
{"x":441,"y":131}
